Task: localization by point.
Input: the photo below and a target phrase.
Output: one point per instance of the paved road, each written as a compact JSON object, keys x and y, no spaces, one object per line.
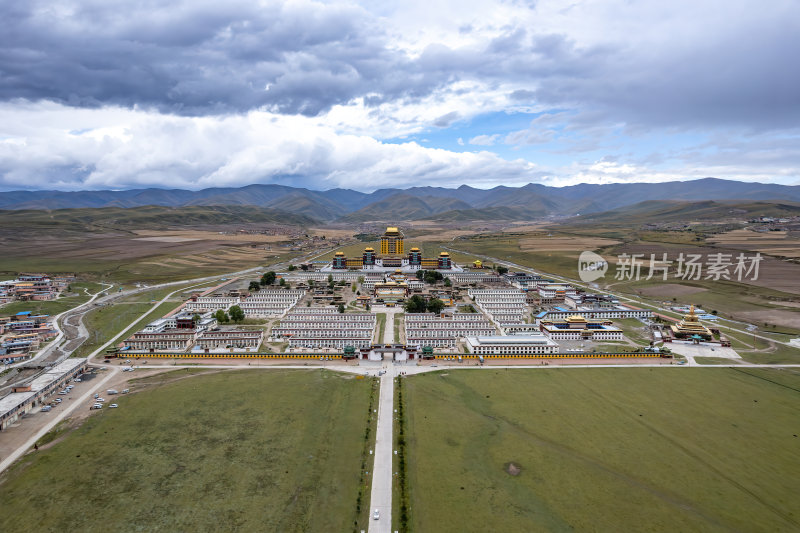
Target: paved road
{"x":137,"y":319}
{"x":72,"y":329}
{"x":81,"y":401}
{"x":381,"y":497}
{"x":388,"y":332}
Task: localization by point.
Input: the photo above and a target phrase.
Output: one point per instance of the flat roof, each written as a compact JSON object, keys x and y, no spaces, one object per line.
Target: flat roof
{"x":56,"y":372}
{"x":13,"y":400}
{"x":511,"y":339}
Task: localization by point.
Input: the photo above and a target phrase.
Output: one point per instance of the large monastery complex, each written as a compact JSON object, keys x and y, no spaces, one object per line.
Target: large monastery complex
{"x":392,"y":258}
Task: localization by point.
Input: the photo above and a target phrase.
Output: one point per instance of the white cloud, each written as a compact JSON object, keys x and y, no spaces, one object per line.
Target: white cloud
{"x":484,"y":140}
{"x":114,"y":148}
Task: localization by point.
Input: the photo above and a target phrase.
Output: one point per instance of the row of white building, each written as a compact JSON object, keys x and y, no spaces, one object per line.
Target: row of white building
{"x":504,"y":306}
{"x":185,"y":339}
{"x":309,"y":327}
{"x":264,"y":303}
{"x":429,"y":329}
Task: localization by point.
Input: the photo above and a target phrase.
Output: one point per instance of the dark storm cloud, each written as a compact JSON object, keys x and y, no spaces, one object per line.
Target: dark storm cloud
{"x":191,"y":59}
{"x":196,"y":58}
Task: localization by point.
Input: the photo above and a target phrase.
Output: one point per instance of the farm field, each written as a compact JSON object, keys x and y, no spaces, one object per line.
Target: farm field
{"x":249,"y":451}
{"x":125,"y":258}
{"x":668,"y":449}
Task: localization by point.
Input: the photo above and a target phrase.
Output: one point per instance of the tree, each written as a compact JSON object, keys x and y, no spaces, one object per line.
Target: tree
{"x":236,"y":313}
{"x":353,"y":287}
{"x":221,"y":316}
{"x":268,"y":278}
{"x":282,"y":282}
{"x":447,"y":282}
{"x":304,"y":267}
{"x":435,"y":305}
{"x":310,"y":283}
{"x":254,"y":286}
{"x":291,"y":268}
{"x":341,"y":308}
{"x":420,"y":274}
{"x":432,"y":276}
{"x":360,"y":279}
{"x":330,"y":278}
{"x":415,"y":304}
{"x":502,"y":270}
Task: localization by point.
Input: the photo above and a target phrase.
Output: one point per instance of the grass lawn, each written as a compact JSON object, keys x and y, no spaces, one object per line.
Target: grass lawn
{"x":640,"y":449}
{"x":105,"y":322}
{"x":507,"y":248}
{"x":633,"y":329}
{"x":50,"y":307}
{"x":246,"y":451}
{"x":399,"y":317}
{"x":381,"y":318}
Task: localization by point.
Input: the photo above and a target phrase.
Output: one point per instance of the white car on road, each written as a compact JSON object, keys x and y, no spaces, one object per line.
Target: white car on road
{"x":376,"y":515}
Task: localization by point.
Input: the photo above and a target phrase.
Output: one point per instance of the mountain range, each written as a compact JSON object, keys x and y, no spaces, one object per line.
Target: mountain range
{"x":464,"y":203}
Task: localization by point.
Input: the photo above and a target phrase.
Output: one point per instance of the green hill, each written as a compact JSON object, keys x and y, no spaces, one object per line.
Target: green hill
{"x":157,"y":217}
{"x":664,"y":211}
{"x":405,"y":207}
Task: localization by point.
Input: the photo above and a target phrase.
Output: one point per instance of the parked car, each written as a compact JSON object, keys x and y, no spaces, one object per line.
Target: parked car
{"x":78,"y":380}
{"x":62,"y":392}
{"x":376,"y":515}
{"x":46,"y":408}
{"x":97,"y":406}
{"x":112,"y":391}
{"x":99,"y":400}
{"x":97,"y":395}
{"x":58,"y":400}
{"x":113,"y":406}
{"x":125,"y":391}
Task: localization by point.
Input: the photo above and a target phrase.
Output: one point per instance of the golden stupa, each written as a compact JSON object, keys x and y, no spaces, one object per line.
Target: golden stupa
{"x":690,"y":326}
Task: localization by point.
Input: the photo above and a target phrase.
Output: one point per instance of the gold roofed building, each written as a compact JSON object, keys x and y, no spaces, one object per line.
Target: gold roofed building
{"x":690,"y":328}
{"x":392,"y":242}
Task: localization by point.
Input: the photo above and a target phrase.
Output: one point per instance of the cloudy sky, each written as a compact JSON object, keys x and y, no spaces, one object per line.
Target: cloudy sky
{"x":109,"y":94}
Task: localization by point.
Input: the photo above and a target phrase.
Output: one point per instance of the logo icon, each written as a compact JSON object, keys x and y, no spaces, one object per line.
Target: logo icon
{"x":591,"y":266}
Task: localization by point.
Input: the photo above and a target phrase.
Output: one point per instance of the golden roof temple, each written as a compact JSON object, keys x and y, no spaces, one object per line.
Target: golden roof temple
{"x":690,"y":326}
{"x":392,"y":242}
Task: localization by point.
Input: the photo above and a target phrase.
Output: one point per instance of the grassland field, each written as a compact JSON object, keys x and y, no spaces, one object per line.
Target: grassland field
{"x":105,"y":322}
{"x":227,"y":451}
{"x":666,"y":449}
{"x":152,"y":268}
